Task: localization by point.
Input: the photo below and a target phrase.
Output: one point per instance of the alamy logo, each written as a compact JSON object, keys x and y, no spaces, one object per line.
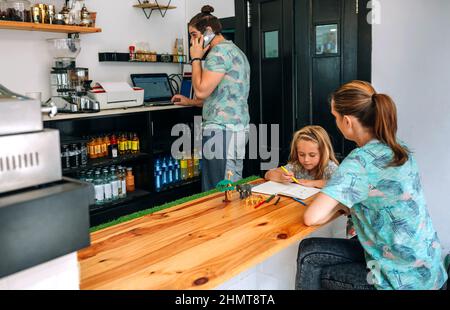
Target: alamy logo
{"x":229,"y":144}
{"x":374,"y":16}
{"x":374,"y":275}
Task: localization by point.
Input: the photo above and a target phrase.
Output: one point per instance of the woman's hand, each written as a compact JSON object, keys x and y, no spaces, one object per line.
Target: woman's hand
{"x":197,"y":50}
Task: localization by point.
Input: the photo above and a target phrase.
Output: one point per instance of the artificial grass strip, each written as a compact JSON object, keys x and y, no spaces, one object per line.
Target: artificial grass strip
{"x":139,"y":214}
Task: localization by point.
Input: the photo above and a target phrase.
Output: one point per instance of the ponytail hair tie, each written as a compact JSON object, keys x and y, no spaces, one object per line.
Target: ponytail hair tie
{"x":374,"y":97}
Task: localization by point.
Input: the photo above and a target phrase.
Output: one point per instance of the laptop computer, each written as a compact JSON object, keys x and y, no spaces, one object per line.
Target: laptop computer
{"x":157,"y":88}
{"x":186,"y":87}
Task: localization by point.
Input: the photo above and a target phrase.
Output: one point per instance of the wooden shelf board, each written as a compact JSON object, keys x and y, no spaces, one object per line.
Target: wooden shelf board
{"x":154,"y":6}
{"x":46,"y":27}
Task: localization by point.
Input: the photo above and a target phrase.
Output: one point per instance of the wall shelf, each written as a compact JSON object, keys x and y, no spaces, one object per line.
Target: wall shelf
{"x":11,"y":25}
{"x":150,"y":7}
{"x":125,"y":57}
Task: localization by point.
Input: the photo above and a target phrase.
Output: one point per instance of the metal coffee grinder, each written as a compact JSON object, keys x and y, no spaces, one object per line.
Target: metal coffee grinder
{"x":69,"y":83}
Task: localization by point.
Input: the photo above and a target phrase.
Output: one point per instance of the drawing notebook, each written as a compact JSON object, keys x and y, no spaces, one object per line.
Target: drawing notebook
{"x":290,"y":190}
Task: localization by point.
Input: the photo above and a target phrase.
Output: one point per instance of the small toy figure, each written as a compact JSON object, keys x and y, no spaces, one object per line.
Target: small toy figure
{"x":244,"y":190}
{"x":226,"y":186}
{"x":253,"y":200}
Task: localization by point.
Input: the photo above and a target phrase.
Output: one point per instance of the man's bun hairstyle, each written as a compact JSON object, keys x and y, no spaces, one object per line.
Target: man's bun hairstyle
{"x":205,"y":19}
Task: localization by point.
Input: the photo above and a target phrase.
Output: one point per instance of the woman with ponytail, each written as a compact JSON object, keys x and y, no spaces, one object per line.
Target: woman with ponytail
{"x":379,"y":185}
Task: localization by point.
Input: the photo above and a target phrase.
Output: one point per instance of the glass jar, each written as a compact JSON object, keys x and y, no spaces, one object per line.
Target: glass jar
{"x":3,"y":9}
{"x":19,"y":10}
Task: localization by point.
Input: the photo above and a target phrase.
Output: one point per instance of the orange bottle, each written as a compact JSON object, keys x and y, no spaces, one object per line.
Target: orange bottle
{"x":91,"y":151}
{"x":106,"y":142}
{"x":98,"y":147}
{"x":130,"y":180}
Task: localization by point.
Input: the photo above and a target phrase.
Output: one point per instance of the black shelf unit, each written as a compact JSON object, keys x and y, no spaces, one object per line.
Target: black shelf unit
{"x":138,"y":193}
{"x":100,"y":162}
{"x":154,"y":131}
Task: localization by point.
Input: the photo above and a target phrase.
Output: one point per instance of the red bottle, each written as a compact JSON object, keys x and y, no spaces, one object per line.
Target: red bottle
{"x":113,"y":147}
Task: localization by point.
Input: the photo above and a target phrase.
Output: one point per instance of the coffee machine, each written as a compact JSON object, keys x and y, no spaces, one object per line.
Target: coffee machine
{"x":69,"y":83}
{"x":43,"y":215}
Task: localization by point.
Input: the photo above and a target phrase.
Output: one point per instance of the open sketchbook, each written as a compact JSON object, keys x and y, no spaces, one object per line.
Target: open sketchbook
{"x":291,"y":190}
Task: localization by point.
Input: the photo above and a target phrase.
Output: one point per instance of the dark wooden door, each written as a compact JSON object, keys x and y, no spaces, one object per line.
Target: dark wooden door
{"x":329,"y":42}
{"x":271,"y":94}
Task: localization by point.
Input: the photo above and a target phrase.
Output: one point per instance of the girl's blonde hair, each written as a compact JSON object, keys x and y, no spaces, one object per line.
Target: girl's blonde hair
{"x":318,"y":135}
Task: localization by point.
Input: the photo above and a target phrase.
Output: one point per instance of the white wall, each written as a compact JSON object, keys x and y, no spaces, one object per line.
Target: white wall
{"x":25,"y":62}
{"x":222,"y":8}
{"x":411,"y":63}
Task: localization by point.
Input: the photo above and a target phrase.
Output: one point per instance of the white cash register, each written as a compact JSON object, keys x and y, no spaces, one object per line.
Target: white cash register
{"x":116,"y":95}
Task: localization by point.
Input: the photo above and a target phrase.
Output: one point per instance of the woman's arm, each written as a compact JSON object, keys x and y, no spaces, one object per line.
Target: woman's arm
{"x":321,"y":210}
{"x":313,"y":183}
{"x":278,"y":175}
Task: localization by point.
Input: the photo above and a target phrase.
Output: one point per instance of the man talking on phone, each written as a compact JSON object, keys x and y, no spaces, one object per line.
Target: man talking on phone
{"x":222,"y":89}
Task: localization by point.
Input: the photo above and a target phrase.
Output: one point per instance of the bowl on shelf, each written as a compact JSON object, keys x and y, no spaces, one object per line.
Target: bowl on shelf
{"x":64,"y":48}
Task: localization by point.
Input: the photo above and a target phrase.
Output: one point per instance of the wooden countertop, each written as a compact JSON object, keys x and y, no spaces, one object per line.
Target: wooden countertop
{"x":67,"y":116}
{"x":196,"y":245}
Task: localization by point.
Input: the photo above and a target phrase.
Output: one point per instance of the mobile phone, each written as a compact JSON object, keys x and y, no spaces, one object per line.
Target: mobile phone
{"x":208,"y":36}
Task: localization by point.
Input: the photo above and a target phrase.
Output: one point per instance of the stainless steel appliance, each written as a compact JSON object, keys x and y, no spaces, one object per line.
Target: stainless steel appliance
{"x":30,"y":155}
{"x":42,"y":215}
{"x":69,"y":84}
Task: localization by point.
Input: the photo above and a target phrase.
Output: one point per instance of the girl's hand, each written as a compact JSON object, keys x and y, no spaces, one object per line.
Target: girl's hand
{"x":197,"y":50}
{"x":286,"y":177}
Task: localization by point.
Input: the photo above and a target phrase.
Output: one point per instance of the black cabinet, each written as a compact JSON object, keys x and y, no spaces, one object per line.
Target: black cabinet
{"x":153,"y":127}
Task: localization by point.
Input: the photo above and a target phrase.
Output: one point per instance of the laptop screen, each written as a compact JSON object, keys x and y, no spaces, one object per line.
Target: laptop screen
{"x":156,"y":86}
{"x":186,"y":87}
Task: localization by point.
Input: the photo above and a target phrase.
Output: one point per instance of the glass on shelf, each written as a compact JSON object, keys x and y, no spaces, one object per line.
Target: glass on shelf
{"x":3,"y":10}
{"x":19,"y":10}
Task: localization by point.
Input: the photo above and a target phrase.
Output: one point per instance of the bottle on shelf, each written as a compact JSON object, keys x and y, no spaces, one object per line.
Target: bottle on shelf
{"x":184,"y":167}
{"x":164,"y":171}
{"x":129,"y":138}
{"x":90,"y":147}
{"x":107,"y":141}
{"x":196,"y":163}
{"x":135,"y":144}
{"x":103,"y":146}
{"x":115,"y":183}
{"x":82,"y":176}
{"x":130,"y":180}
{"x":123,"y":183}
{"x":84,"y":154}
{"x":158,"y":175}
{"x":89,"y":177}
{"x":122,"y":145}
{"x":107,"y":185}
{"x":99,"y":188}
{"x":176,"y":169}
{"x":170,"y":172}
{"x":190,"y":167}
{"x":98,"y":147}
{"x":113,"y":147}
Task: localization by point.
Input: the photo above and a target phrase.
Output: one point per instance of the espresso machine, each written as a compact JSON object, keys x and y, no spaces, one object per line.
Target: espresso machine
{"x":69,"y":83}
{"x":43,"y":215}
